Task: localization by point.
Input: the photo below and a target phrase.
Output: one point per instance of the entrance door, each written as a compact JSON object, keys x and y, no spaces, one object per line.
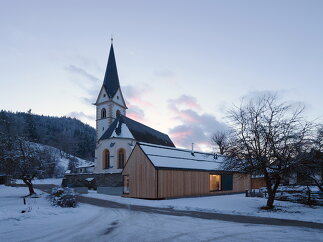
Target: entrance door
{"x":126,"y":184}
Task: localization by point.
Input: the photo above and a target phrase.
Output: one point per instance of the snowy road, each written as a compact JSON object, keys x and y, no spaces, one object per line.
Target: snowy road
{"x":204,"y":215}
{"x":43,"y":222}
{"x":195,"y":214}
{"x":122,"y":225}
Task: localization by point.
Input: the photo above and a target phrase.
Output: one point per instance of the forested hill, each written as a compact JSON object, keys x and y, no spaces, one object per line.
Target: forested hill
{"x":67,"y":134}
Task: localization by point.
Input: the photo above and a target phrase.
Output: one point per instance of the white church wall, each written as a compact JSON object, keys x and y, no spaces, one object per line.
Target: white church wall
{"x":115,"y":108}
{"x":118,"y":98}
{"x":103,"y":96}
{"x":102,"y":124}
{"x":106,"y":144}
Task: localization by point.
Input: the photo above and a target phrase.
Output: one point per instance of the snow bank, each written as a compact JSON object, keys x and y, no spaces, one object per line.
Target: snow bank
{"x":227,"y":204}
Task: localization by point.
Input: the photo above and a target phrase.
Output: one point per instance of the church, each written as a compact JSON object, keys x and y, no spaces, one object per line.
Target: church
{"x":134,"y":160}
{"x":117,"y":134}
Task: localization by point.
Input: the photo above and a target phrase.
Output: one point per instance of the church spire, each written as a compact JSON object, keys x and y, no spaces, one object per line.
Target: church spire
{"x":111,"y":79}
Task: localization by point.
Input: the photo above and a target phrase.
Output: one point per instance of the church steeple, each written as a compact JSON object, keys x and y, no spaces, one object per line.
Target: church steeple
{"x":110,"y":102}
{"x":111,"y":79}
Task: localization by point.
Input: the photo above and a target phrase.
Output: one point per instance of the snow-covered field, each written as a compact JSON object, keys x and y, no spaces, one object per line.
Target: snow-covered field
{"x":228,"y":204}
{"x":43,"y":222}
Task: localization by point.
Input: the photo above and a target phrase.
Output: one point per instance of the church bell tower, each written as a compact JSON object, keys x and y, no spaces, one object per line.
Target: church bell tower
{"x":110,"y":102}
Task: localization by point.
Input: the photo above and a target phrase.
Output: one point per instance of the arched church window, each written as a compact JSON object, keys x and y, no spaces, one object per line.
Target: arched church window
{"x":121,"y":158}
{"x":106,"y":159}
{"x":103,"y":113}
{"x":118,"y":113}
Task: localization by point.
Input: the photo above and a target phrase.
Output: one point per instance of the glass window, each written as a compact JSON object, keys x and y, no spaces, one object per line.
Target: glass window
{"x":103,"y":113}
{"x":121,"y":158}
{"x":215,"y":182}
{"x":106,"y":159}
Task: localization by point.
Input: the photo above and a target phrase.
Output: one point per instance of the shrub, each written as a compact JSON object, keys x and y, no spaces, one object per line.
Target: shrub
{"x":63,"y":197}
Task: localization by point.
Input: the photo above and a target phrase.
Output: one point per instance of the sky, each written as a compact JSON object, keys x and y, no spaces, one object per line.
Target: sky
{"x":181,"y":64}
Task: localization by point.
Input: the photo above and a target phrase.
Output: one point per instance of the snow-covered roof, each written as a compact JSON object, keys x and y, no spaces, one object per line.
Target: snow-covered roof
{"x":124,"y":132}
{"x":86,"y":165}
{"x":169,"y":157}
{"x":124,"y":127}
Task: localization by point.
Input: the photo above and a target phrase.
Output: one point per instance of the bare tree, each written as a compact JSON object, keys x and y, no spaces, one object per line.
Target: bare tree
{"x":310,"y":164}
{"x":220,"y":140}
{"x":268,"y":138}
{"x":21,"y":159}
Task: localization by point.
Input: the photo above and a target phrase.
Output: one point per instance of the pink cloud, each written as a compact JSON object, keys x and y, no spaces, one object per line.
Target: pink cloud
{"x":179,"y":135}
{"x":187,"y":116}
{"x":183,"y":115}
{"x":194,"y":127}
{"x":134,"y":95}
{"x":187,"y":101}
{"x":135,"y":116}
{"x":136,"y":113}
{"x":139,"y":101}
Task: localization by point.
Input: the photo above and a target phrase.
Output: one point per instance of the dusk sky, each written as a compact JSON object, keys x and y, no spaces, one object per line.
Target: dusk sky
{"x":181,"y":64}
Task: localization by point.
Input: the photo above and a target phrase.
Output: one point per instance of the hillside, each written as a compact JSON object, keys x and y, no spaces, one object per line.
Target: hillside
{"x":56,"y":164}
{"x":64,"y":160}
{"x":67,"y":134}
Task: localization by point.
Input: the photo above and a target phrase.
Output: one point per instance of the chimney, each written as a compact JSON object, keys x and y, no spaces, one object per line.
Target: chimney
{"x":192,"y":151}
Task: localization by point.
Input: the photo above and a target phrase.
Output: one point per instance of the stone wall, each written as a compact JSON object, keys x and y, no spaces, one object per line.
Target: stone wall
{"x":93,"y":180}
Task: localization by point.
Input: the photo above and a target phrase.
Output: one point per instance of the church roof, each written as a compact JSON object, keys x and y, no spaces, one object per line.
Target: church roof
{"x":139,"y":132}
{"x":111,"y":79}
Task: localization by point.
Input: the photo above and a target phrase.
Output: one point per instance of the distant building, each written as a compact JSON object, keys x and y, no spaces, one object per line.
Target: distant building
{"x":5,"y":179}
{"x":85,"y":168}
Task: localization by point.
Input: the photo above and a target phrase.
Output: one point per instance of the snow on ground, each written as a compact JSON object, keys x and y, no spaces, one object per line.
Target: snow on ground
{"x":91,"y":223}
{"x":55,"y":181}
{"x":228,"y":204}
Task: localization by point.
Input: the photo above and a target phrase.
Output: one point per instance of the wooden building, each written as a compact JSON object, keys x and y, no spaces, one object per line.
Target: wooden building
{"x":157,"y":172}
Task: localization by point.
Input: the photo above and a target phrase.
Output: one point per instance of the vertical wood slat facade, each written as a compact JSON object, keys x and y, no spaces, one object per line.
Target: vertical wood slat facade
{"x":257,"y":183}
{"x":180,"y":183}
{"x":145,"y":181}
{"x":142,"y":175}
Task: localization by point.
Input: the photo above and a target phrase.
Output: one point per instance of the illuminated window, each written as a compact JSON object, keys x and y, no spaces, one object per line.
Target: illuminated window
{"x":121,"y":158}
{"x":215,"y":182}
{"x":106,"y":159}
{"x":103,"y":113}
